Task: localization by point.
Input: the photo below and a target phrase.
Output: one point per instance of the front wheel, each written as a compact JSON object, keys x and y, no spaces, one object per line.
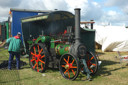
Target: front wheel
{"x":69,"y":66}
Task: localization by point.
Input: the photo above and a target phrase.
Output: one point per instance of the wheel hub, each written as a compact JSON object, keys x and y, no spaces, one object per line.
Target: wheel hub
{"x":37,"y":58}
{"x":68,"y":66}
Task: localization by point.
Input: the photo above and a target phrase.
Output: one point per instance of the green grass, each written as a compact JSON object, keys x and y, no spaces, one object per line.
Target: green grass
{"x":111,"y":72}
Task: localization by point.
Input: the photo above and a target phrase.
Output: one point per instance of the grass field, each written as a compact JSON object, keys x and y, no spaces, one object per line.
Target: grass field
{"x":111,"y":72}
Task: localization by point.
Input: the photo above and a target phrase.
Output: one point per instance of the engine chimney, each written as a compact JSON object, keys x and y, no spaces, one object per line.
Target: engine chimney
{"x":77,"y":48}
{"x":77,"y":25}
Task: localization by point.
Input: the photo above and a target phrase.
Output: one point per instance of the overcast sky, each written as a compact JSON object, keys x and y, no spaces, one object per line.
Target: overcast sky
{"x":101,"y":11}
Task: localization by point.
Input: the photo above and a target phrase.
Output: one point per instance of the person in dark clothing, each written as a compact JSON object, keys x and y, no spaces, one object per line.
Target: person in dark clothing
{"x":14,"y":50}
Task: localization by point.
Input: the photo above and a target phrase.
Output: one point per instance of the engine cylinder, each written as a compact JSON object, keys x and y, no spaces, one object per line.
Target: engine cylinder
{"x":62,"y":49}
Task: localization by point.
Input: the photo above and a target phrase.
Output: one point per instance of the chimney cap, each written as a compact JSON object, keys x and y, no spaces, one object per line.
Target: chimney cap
{"x":77,"y":9}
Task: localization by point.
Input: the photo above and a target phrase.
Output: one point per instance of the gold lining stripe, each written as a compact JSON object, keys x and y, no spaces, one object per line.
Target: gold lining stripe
{"x":35,"y":18}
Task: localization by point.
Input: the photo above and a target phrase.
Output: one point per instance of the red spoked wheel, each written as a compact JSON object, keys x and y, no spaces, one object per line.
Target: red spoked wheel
{"x":92,"y":62}
{"x":69,"y":66}
{"x":38,"y":57}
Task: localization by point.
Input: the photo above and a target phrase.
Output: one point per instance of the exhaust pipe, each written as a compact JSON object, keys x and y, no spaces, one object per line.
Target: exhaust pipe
{"x":77,"y":25}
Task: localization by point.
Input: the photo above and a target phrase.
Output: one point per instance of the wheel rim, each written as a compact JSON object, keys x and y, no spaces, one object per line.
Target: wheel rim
{"x":91,"y":62}
{"x":69,"y":66}
{"x":37,"y":58}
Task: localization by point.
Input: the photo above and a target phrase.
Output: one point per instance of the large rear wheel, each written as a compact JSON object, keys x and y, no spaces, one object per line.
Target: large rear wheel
{"x":92,"y":62}
{"x":69,"y":66}
{"x":38,"y":57}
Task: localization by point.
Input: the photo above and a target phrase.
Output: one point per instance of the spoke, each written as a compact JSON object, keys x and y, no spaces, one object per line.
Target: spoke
{"x":73,"y":67}
{"x":93,"y":64}
{"x":91,"y":58}
{"x":34,"y":66}
{"x":34,"y":50}
{"x":37,"y":68}
{"x":62,"y":65}
{"x":42,"y":66}
{"x":73,"y":72}
{"x":42,"y":61}
{"x":73,"y":61}
{"x":65,"y":60}
{"x":43,"y":56}
{"x":40,"y":51}
{"x":32,"y":53}
{"x":91,"y":70}
{"x":32,"y":60}
{"x":68,"y":74}
{"x":68,"y":58}
{"x":33,"y":57}
{"x":66,"y":71}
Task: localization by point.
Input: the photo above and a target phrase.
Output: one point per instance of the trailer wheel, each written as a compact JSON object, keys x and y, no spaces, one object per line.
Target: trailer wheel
{"x":69,"y":66}
{"x":92,"y":62}
{"x":38,"y":57}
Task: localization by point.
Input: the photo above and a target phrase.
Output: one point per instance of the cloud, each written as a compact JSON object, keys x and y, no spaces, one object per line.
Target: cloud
{"x":121,"y":4}
{"x":116,"y":3}
{"x":9,"y":3}
{"x":120,"y":15}
{"x":113,"y":17}
{"x":5,"y":6}
{"x":72,"y":4}
{"x":4,"y":12}
{"x":93,"y":11}
{"x":55,"y":4}
{"x":89,"y":8}
{"x":3,"y":19}
{"x":32,"y":4}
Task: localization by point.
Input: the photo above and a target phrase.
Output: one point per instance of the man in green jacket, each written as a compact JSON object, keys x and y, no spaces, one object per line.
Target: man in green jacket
{"x":14,"y":50}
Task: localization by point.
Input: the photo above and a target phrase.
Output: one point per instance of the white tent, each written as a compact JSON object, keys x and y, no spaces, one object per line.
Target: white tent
{"x":112,"y":38}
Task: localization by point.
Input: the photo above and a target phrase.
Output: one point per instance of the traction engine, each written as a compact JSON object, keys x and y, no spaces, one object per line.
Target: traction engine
{"x":64,"y":51}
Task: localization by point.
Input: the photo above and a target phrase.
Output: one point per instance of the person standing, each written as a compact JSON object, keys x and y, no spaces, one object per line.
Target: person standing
{"x":14,"y":50}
